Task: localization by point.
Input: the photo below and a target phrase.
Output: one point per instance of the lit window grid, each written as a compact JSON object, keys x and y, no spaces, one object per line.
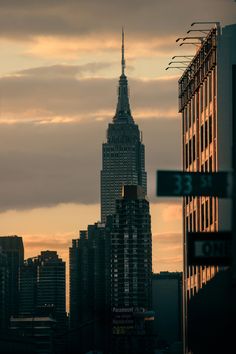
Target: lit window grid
{"x":200,"y":154}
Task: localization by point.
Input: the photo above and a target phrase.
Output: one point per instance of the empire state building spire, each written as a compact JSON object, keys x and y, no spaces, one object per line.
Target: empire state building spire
{"x":123,"y":54}
{"x":123,"y":112}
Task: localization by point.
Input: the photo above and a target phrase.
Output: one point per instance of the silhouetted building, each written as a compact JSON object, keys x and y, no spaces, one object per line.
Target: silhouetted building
{"x":131,"y":272}
{"x":88,"y":288}
{"x":39,"y":330}
{"x":43,"y":287}
{"x":206,"y":104}
{"x":167,"y":299}
{"x":123,"y":160}
{"x":4,"y":278}
{"x":131,"y":251}
{"x":12,"y":247}
{"x":28,"y":284}
{"x":52,"y":284}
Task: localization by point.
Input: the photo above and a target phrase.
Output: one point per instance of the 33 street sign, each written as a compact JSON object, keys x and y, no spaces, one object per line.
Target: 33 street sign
{"x":176,"y":183}
{"x":209,"y":248}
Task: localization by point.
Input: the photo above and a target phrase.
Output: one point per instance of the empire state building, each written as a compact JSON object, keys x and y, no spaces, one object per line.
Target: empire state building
{"x":123,"y":161}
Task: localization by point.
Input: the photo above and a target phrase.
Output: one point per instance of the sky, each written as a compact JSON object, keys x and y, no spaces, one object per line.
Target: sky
{"x":60,"y":65}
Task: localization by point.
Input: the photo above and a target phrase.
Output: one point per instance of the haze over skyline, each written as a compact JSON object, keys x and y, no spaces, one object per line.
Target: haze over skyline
{"x":60,"y":66}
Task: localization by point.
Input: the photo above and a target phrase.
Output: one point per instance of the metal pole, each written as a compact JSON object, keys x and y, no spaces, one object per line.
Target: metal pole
{"x":233,"y":270}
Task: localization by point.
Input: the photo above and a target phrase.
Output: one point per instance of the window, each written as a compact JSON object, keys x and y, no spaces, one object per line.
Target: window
{"x":194,"y":148}
{"x":202,"y":145}
{"x":191,"y":222}
{"x":194,"y":220}
{"x":197,"y":105}
{"x":210,"y":87}
{"x":201,"y":98}
{"x":186,"y":119}
{"x":186,"y":155}
{"x":210,"y":163}
{"x":214,"y":83}
{"x":202,"y":216}
{"x":189,"y":114}
{"x":206,"y":133}
{"x":187,"y":223}
{"x":207,"y":220}
{"x":206,"y":93}
{"x":211,"y":210}
{"x":210,"y":129}
{"x":190,"y":152}
{"x":193,"y":109}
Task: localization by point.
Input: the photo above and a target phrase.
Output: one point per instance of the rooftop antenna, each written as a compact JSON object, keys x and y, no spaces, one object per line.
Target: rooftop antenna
{"x":216,"y":23}
{"x":123,"y":53}
{"x":190,"y":56}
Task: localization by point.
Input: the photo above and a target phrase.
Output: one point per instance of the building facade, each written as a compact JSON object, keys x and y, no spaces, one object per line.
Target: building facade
{"x":131,"y":251}
{"x":12,"y":247}
{"x":130,"y":279}
{"x":4,"y":278}
{"x":205,"y":101}
{"x":123,"y":161}
{"x":28,"y":286}
{"x":167,"y":304}
{"x":88,"y":295}
{"x":87,"y":275}
{"x":42,"y":287}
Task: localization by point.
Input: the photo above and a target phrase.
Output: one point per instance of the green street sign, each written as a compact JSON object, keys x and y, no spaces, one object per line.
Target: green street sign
{"x":209,"y":248}
{"x":177,"y":183}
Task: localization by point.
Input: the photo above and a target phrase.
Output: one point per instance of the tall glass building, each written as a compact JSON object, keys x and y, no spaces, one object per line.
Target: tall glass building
{"x":123,"y":153}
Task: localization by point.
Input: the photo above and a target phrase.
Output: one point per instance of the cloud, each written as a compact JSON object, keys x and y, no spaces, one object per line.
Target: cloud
{"x":29,"y":18}
{"x":46,"y":164}
{"x":38,"y":242}
{"x":60,"y":90}
{"x":61,"y":71}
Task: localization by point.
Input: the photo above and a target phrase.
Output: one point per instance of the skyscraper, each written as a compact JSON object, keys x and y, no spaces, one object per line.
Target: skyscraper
{"x":12,"y":247}
{"x":131,"y":251}
{"x":87,"y":275}
{"x":42,"y":287}
{"x":88,"y":269}
{"x":28,"y":286}
{"x":52,"y":284}
{"x":123,"y":154}
{"x":3,"y":291}
{"x":131,"y":273}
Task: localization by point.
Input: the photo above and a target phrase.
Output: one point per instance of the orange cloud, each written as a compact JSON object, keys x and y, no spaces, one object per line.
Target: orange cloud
{"x":75,"y":47}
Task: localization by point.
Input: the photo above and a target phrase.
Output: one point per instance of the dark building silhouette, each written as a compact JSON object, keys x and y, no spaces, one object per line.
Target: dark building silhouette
{"x":131,"y":273}
{"x":28,"y":286}
{"x":131,"y":251}
{"x":123,"y":160}
{"x":12,"y":247}
{"x":4,"y":278}
{"x":39,"y":331}
{"x":167,"y":302}
{"x":42,"y":287}
{"x":88,"y":259}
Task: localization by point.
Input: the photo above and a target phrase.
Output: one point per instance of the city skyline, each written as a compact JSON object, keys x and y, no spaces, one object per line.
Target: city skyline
{"x":56,"y":99}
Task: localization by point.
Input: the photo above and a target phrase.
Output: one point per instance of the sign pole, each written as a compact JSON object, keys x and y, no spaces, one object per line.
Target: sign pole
{"x":233,"y":284}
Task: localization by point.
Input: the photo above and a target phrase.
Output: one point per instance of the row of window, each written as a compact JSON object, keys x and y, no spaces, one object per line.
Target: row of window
{"x":206,"y":216}
{"x":119,"y":148}
{"x":200,"y":100}
{"x":206,"y":139}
